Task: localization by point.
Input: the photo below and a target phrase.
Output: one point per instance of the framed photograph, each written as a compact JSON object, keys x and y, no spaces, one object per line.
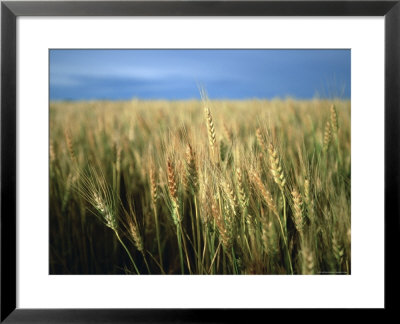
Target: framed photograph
{"x":167,"y":161}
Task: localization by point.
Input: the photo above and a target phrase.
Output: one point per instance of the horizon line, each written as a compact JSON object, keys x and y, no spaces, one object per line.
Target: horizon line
{"x":199,"y":99}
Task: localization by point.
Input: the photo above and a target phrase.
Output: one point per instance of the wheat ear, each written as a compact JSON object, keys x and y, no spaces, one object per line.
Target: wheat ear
{"x":337,"y":248}
{"x":230,"y":194}
{"x":224,"y":232}
{"x":51,"y":152}
{"x":211,"y":130}
{"x":154,"y":197}
{"x":298,"y":214}
{"x":244,"y":200}
{"x":153,"y":187}
{"x":135,"y":234}
{"x":308,"y":263}
{"x":276,"y":167}
{"x":327,"y":136}
{"x":260,"y":139}
{"x":307,"y":191}
{"x":227,"y":132}
{"x":334,"y":120}
{"x":266,"y":195}
{"x":173,"y":191}
{"x":70,"y":145}
{"x":191,"y":179}
{"x":108,"y":215}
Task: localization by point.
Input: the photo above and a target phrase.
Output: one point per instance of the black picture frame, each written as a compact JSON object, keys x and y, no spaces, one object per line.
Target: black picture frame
{"x":10,"y":10}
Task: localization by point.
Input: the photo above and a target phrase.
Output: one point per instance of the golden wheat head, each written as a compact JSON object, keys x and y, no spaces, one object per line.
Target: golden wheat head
{"x":276,"y":167}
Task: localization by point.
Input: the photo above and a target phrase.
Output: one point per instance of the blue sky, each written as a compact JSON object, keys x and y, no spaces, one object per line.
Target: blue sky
{"x":177,"y":74}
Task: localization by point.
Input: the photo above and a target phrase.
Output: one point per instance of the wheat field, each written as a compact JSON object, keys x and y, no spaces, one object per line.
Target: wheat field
{"x":200,"y":187}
